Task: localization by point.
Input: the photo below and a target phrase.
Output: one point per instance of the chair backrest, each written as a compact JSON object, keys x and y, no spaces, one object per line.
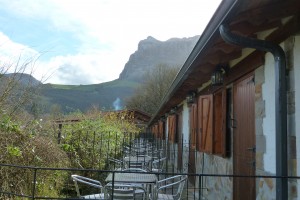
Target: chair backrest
{"x":135,"y":165}
{"x":134,"y":170}
{"x":176,"y":181}
{"x":159,"y":163}
{"x":119,"y":191}
{"x":81,"y":179}
{"x":181,"y":184}
{"x":115,"y":163}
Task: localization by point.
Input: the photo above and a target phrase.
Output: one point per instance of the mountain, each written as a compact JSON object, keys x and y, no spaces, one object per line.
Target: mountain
{"x":107,"y":96}
{"x":112,"y":95}
{"x":152,"y":52}
{"x":23,"y":79}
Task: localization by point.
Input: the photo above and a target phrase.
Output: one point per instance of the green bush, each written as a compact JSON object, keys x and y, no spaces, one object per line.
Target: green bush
{"x":22,"y":148}
{"x":97,"y":136}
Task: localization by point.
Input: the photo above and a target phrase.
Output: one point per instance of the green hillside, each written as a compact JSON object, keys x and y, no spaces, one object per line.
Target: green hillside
{"x":83,"y":97}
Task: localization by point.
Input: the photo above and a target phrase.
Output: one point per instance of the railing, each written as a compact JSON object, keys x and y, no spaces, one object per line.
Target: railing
{"x":200,"y":184}
{"x":190,"y":192}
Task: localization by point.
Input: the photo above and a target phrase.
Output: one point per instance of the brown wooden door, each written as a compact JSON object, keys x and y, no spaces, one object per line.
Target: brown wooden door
{"x":192,"y":143}
{"x":179,"y":140}
{"x":244,"y":138}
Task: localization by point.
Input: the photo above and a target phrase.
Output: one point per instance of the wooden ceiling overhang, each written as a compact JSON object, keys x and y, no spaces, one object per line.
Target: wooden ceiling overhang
{"x":246,"y":18}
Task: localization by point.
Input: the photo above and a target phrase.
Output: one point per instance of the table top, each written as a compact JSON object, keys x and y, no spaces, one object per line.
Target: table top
{"x":137,"y":159}
{"x":132,"y":178}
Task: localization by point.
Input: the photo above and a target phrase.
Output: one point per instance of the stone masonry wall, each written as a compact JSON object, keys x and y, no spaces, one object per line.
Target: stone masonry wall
{"x":214,"y":187}
{"x":266,"y":187}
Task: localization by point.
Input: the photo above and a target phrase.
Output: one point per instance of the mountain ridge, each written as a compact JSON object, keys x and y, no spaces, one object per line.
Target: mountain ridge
{"x":150,"y":52}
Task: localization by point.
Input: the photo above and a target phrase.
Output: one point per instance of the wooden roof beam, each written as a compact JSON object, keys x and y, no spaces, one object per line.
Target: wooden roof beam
{"x":271,"y":11}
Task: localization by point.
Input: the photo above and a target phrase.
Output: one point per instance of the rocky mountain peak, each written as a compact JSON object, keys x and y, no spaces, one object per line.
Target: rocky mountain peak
{"x":152,"y":52}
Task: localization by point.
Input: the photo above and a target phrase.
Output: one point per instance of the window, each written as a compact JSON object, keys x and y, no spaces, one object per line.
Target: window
{"x":212,"y":123}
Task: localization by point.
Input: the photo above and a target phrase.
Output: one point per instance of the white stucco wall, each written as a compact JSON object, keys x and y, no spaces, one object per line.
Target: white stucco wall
{"x":269,"y":119}
{"x":185,"y":124}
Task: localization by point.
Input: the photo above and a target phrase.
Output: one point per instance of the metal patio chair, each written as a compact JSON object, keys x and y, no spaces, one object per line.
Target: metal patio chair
{"x":91,"y":182}
{"x":170,"y":188}
{"x":124,"y":191}
{"x":116,"y":163}
{"x":158,"y":165}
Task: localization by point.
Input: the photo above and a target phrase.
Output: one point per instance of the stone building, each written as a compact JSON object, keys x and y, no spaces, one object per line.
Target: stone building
{"x":234,"y":107}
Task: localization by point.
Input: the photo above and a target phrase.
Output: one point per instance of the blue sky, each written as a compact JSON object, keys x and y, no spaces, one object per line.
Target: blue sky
{"x":90,"y":41}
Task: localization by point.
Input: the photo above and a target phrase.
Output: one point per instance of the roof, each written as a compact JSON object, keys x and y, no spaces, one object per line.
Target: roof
{"x":138,"y":115}
{"x":244,"y":17}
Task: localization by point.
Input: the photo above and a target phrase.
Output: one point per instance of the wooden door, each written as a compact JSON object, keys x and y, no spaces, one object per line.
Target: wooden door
{"x":244,"y":138}
{"x":192,"y":142}
{"x":179,"y":140}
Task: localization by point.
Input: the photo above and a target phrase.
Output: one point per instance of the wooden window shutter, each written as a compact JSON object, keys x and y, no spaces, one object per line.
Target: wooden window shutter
{"x":205,"y":122}
{"x":220,"y":122}
{"x":152,"y":129}
{"x":173,"y":128}
{"x":161,"y":129}
{"x":170,"y":128}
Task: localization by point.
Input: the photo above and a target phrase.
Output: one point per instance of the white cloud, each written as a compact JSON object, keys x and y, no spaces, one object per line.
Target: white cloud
{"x":14,"y":56}
{"x":80,"y":68}
{"x":109,"y":31}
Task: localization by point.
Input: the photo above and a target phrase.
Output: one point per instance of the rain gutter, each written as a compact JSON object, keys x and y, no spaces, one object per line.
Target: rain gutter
{"x":280,"y":101}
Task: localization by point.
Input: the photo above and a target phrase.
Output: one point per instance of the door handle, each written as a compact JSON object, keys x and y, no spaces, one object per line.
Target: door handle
{"x":233,"y":123}
{"x":252,"y":163}
{"x":253,"y":149}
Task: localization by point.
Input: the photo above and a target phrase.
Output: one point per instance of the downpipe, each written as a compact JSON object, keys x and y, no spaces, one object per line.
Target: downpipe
{"x":280,"y":101}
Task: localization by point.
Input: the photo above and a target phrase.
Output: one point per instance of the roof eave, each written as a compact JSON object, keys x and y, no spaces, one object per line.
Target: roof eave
{"x":223,"y":12}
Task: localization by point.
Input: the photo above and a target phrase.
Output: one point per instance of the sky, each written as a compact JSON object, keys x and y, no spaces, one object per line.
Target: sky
{"x":77,"y":42}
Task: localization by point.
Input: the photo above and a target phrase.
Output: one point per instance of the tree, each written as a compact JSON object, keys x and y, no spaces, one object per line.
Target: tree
{"x":18,"y":90}
{"x":149,"y":95}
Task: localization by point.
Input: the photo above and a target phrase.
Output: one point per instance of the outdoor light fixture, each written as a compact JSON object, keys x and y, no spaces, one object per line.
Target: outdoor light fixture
{"x":173,"y":110}
{"x":163,"y":118}
{"x":217,"y":77}
{"x":190,"y":98}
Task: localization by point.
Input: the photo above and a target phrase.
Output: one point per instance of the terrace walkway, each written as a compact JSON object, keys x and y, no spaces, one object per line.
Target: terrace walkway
{"x":137,"y":149}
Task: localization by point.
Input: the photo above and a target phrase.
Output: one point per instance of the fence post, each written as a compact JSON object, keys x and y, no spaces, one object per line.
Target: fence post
{"x":34,"y":183}
{"x":200,"y":187}
{"x":59,"y":133}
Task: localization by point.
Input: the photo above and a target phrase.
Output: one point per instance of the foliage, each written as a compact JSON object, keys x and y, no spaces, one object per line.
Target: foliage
{"x":149,"y":95}
{"x":26,"y":146}
{"x":82,"y":97}
{"x":96,"y":136}
{"x":27,"y":140}
{"x":17,"y":90}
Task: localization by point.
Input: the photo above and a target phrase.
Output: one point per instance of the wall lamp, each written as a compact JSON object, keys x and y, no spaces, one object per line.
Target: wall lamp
{"x":163,"y":118}
{"x":217,"y":77}
{"x":173,"y":110}
{"x":191,"y":97}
